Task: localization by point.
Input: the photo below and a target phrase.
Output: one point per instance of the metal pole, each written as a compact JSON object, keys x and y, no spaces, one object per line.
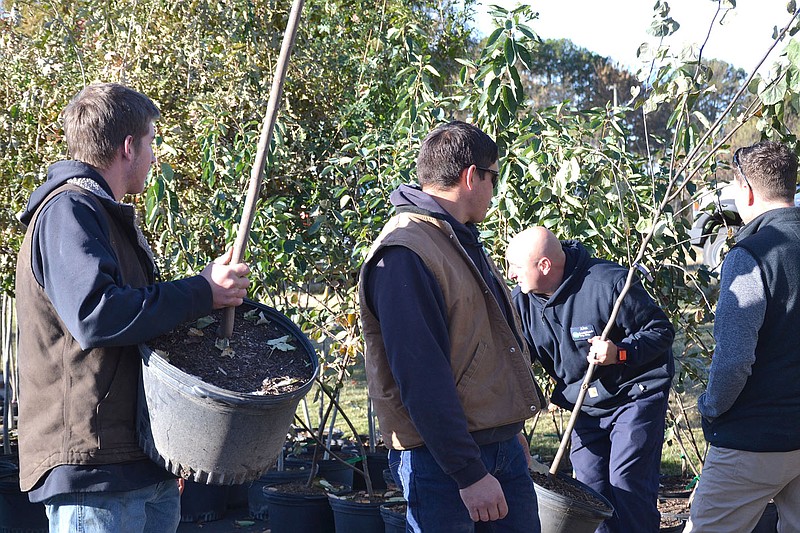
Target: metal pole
{"x":371,"y":426}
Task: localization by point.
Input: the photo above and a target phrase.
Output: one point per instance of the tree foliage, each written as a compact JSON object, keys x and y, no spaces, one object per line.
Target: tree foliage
{"x":365,"y":85}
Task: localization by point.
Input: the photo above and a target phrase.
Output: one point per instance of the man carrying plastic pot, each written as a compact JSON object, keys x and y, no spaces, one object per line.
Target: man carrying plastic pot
{"x":87,"y":292}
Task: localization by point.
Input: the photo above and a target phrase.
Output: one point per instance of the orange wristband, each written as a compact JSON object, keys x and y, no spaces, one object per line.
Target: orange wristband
{"x":622,"y":355}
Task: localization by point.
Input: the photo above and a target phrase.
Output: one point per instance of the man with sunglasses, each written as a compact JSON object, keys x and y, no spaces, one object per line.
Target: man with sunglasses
{"x":752,"y":401}
{"x":448,"y":372}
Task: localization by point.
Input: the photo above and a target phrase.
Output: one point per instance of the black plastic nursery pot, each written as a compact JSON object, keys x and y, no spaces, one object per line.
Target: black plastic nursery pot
{"x":674,"y":513}
{"x":293,"y":513}
{"x":335,"y":471}
{"x":394,"y":520}
{"x":377,"y":462}
{"x":211,"y":435}
{"x":332,"y":469}
{"x":356,"y":517}
{"x":257,"y":502}
{"x":562,"y":514}
{"x":17,"y":513}
{"x":238,"y":495}
{"x":203,"y":503}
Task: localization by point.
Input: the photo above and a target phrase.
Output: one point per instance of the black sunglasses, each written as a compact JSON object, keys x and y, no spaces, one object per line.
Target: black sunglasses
{"x":495,"y":174}
{"x":738,"y":163}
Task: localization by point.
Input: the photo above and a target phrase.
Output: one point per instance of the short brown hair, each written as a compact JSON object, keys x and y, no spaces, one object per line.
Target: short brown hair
{"x":101,"y":116}
{"x":771,"y":168}
{"x":449,"y":149}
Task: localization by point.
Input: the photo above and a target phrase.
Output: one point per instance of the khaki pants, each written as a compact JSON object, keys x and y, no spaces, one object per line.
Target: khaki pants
{"x":736,"y":486}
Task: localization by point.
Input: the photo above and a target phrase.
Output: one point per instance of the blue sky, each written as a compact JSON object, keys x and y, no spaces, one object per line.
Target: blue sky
{"x":616,"y":28}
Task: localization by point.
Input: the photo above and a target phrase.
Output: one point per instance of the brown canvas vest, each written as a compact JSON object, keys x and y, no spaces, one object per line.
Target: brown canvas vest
{"x":492,"y":372}
{"x":75,"y":406}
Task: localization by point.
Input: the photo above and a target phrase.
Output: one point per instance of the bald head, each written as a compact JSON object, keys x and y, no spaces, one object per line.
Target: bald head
{"x":536,"y":260}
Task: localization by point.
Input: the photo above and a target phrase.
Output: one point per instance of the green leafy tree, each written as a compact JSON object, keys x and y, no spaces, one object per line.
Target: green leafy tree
{"x":366,"y":83}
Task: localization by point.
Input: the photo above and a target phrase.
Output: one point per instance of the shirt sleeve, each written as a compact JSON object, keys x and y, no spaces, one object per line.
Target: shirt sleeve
{"x":648,"y":331}
{"x":408,"y":302}
{"x":75,"y":264}
{"x":740,"y":312}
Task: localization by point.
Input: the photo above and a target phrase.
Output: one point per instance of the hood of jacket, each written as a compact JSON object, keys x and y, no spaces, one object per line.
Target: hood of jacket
{"x":577,"y":261}
{"x":58,"y":174}
{"x":413,"y":199}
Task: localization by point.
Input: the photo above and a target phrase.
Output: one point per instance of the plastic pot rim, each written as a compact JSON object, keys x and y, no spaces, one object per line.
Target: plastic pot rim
{"x":196,"y":387}
{"x":578,"y":505}
{"x":271,"y":489}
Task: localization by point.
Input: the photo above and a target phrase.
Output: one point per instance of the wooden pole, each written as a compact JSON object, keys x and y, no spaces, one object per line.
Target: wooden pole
{"x":588,"y":377}
{"x":257,"y":172}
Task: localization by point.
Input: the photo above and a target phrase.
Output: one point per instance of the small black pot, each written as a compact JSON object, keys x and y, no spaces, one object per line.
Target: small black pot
{"x":356,"y":517}
{"x":203,"y":503}
{"x":393,"y":521}
{"x":290,"y":513}
{"x":377,"y":462}
{"x":257,"y":502}
{"x":332,"y":470}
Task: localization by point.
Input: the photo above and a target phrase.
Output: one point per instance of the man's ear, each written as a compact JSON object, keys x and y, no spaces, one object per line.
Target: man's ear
{"x":468,"y":175}
{"x":545,"y":265}
{"x":128,"y":147}
{"x":751,"y":196}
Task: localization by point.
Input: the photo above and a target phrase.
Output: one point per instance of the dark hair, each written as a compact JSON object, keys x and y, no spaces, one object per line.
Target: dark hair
{"x":771,"y":168}
{"x":449,"y":149}
{"x":101,"y":116}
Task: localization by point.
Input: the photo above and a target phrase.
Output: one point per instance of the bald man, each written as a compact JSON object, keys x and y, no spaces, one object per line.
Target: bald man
{"x":565,"y":297}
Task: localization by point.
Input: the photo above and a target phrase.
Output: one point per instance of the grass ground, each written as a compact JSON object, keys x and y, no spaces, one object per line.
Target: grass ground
{"x":679,"y":445}
{"x":684,"y":445}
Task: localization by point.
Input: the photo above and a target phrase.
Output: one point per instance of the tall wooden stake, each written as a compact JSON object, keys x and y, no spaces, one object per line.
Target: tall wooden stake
{"x":257,"y":172}
{"x":588,"y":377}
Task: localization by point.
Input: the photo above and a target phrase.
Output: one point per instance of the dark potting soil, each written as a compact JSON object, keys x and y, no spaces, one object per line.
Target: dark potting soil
{"x":262,"y":356}
{"x":674,"y":511}
{"x":568,"y":490}
{"x":301,"y":488}
{"x":386,"y":496}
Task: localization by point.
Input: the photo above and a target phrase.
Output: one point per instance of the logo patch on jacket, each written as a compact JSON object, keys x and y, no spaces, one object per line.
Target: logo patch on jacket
{"x":582,"y":333}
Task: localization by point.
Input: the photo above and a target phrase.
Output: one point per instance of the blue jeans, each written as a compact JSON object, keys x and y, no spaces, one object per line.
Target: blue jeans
{"x":152,"y":509}
{"x":394,"y":467}
{"x":619,"y":456}
{"x":434,"y":504}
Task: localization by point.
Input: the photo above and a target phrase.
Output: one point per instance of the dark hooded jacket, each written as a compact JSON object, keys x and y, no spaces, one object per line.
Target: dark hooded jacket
{"x":388,"y":278}
{"x":86,"y":296}
{"x":558,"y":328}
